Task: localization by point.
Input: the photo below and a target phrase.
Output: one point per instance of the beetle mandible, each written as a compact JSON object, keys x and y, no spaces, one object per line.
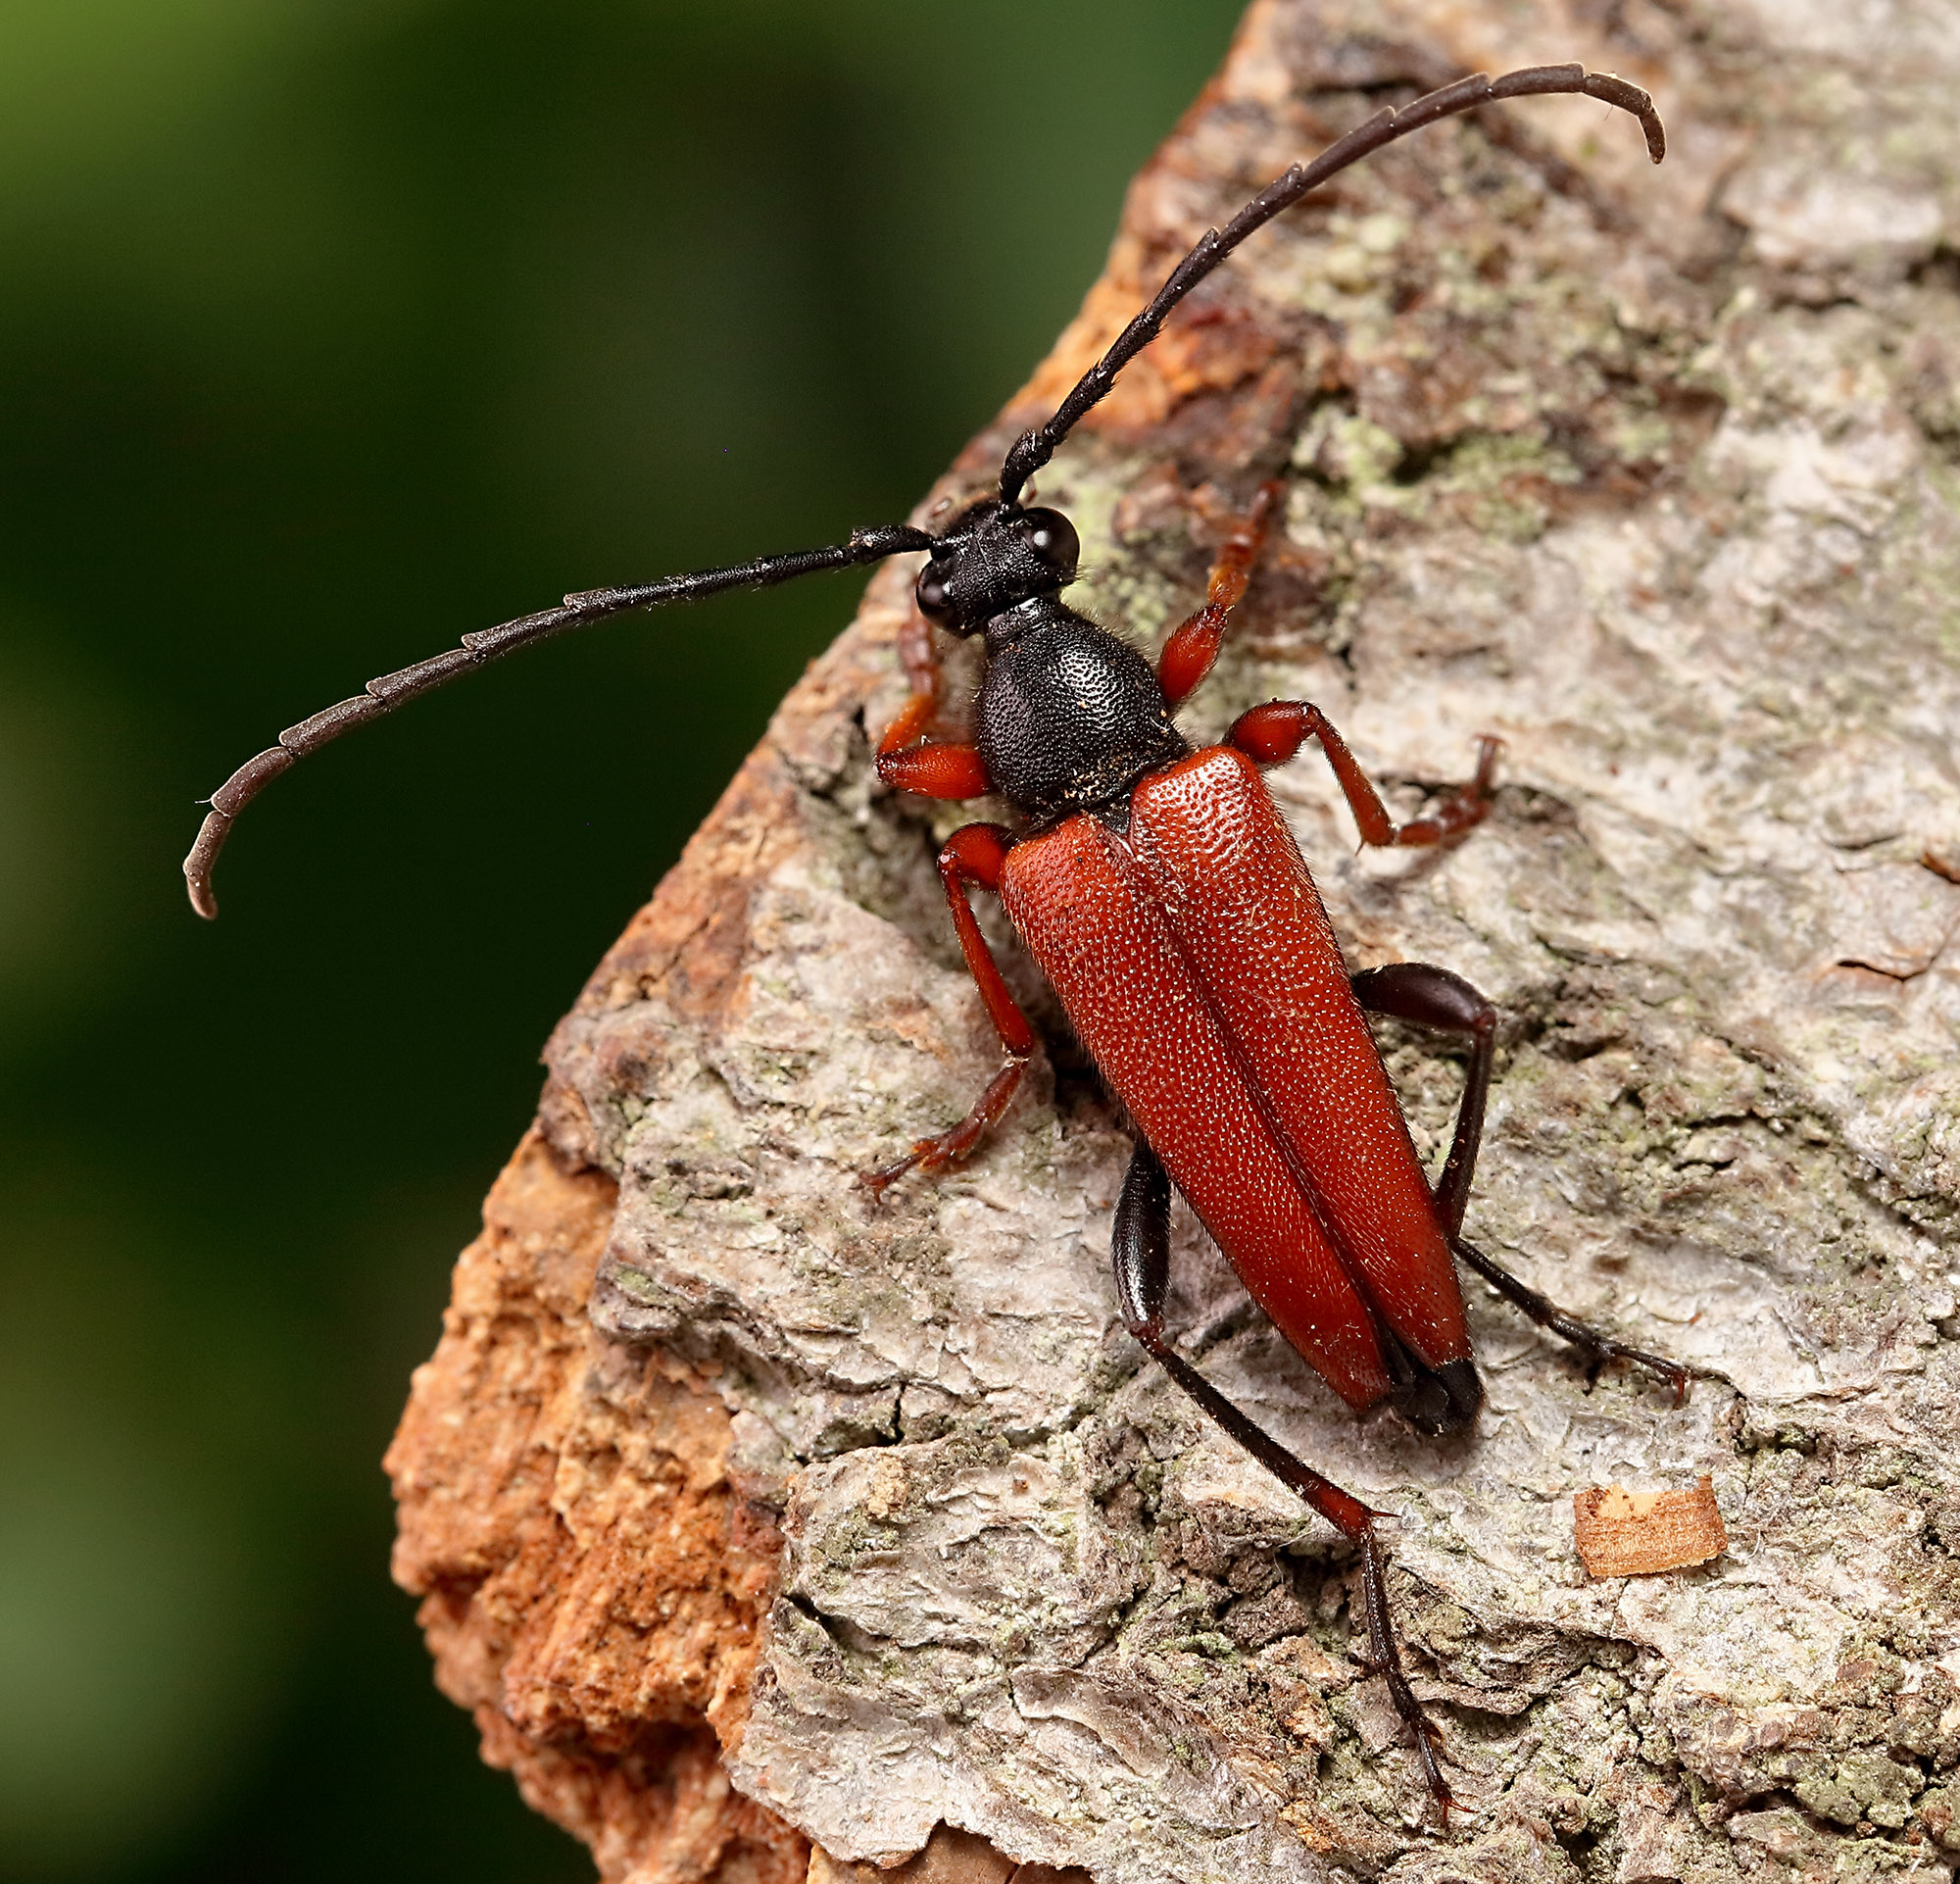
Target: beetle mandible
{"x":1162,"y":895}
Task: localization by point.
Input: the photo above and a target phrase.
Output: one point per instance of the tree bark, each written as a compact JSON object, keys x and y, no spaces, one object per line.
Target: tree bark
{"x":826,"y":1522}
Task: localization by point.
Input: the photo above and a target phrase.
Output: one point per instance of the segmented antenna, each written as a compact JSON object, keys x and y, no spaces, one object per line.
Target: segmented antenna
{"x":1032,"y":450}
{"x":1029,"y":454}
{"x":581,"y":611}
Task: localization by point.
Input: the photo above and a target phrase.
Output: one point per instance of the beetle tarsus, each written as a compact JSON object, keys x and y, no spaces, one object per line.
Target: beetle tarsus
{"x":1424,"y":1734}
{"x":878,"y":1182}
{"x":1272,"y":733}
{"x":1598,"y":1348}
{"x":955,"y":1147}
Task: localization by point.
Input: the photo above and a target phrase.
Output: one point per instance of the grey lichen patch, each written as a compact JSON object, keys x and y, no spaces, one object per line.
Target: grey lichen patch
{"x":1499,"y":484}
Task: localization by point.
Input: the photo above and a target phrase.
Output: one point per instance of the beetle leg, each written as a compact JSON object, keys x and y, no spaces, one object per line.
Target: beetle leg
{"x":1433,"y":997}
{"x":1188,"y":655}
{"x":975,"y":854}
{"x":918,"y":655}
{"x":907,"y":757}
{"x":1598,"y":1348}
{"x":1443,"y":1003}
{"x":1271,"y":734}
{"x":935,"y":769}
{"x":1140,"y":1250}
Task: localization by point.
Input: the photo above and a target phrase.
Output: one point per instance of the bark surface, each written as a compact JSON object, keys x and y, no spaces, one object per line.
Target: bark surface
{"x":825,"y":1522}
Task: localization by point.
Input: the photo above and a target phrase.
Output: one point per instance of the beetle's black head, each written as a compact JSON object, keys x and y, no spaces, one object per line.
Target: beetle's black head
{"x":992,"y":558}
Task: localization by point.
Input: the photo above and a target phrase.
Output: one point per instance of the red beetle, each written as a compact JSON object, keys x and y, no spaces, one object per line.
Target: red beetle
{"x":1164,"y":897}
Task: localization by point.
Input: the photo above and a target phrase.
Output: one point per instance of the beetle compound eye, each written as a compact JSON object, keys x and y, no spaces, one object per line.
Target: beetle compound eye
{"x":933,"y":600}
{"x":1051,"y":536}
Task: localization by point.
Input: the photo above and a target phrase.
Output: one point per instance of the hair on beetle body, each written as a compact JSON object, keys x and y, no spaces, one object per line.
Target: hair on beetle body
{"x":1162,"y":895}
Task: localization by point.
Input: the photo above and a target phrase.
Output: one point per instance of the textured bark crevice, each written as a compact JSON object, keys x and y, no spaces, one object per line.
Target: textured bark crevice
{"x":1657,"y":475}
{"x":592,"y":1584}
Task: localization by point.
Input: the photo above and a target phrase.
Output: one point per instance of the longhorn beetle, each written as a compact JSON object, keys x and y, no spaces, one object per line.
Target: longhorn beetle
{"x":1164,"y":897}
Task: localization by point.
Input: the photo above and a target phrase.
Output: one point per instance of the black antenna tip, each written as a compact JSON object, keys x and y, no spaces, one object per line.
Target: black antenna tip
{"x":1611,"y":89}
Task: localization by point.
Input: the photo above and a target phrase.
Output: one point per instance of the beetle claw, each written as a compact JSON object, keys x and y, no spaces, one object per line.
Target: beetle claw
{"x":878,"y":1182}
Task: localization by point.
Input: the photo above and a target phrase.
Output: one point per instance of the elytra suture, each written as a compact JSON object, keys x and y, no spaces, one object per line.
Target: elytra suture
{"x":1162,"y":893}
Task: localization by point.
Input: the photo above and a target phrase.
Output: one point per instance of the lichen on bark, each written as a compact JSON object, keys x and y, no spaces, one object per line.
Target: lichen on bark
{"x":1652,"y":474}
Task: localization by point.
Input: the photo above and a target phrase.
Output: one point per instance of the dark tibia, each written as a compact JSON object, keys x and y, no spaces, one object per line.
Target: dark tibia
{"x":1443,"y":1003}
{"x":1140,"y":1250}
{"x":1430,"y":997}
{"x":1598,"y":1348}
{"x":1140,"y":1242}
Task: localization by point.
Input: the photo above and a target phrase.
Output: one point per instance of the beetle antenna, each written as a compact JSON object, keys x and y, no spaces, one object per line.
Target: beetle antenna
{"x":1034,"y":449}
{"x":580,"y":610}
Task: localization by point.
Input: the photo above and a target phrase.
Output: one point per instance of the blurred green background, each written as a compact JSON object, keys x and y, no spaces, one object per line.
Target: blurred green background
{"x":329,"y":331}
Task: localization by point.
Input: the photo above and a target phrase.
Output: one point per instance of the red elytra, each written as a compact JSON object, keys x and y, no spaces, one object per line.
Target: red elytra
{"x":1197,"y":965}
